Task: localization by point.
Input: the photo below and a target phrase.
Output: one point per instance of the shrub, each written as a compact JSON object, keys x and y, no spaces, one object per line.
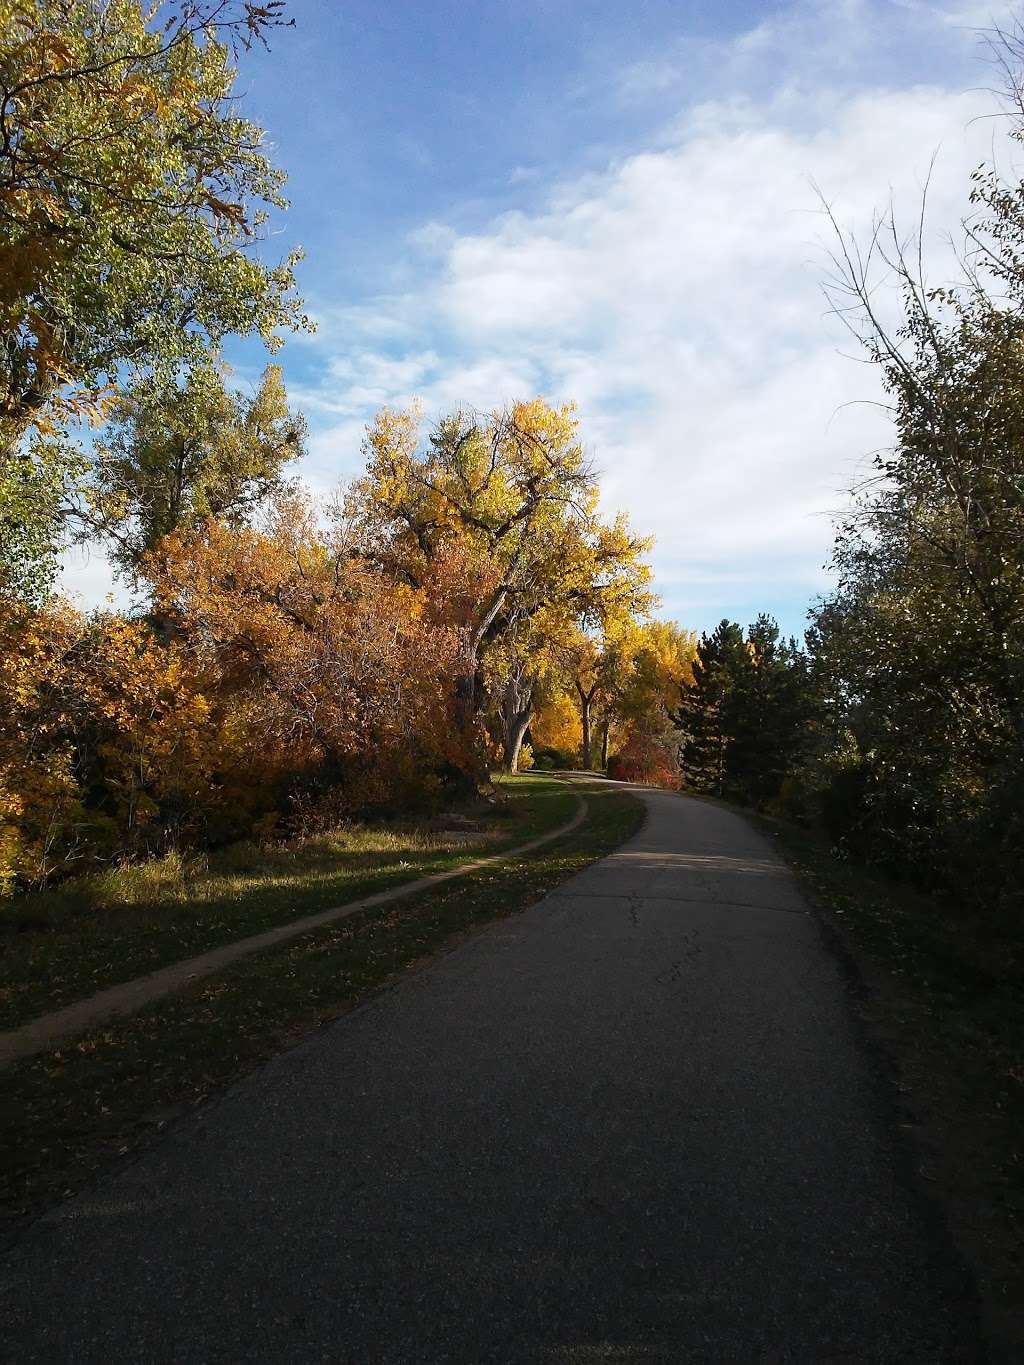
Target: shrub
{"x":647,"y":759}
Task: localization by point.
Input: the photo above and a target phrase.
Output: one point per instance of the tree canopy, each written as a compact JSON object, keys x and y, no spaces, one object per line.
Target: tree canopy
{"x":129,"y":191}
{"x":174,"y":454}
{"x":511,"y":499}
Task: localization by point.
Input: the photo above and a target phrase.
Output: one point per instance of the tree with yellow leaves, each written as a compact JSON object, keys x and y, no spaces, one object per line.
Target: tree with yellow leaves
{"x":348,"y":671}
{"x":515,"y":493}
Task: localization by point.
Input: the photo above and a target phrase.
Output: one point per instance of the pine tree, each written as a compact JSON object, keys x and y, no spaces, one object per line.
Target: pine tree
{"x":744,"y":719}
{"x":767,"y":714}
{"x":704,"y":715}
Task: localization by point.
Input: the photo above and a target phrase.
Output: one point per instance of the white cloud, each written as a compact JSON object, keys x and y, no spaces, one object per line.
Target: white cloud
{"x":677,"y":298}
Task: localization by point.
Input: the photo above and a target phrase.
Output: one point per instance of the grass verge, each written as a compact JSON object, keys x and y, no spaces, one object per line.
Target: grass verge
{"x":943,"y":992}
{"x":63,"y":945}
{"x":79,"y":1107}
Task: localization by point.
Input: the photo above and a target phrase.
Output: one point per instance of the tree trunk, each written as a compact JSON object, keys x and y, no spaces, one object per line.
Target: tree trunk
{"x":604,"y":743}
{"x":516,"y":711}
{"x":585,"y":718}
{"x":468,"y":689}
{"x":467,"y":693}
{"x":514,"y":742}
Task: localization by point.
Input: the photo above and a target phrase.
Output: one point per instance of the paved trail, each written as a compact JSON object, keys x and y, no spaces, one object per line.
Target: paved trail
{"x":634,"y":1124}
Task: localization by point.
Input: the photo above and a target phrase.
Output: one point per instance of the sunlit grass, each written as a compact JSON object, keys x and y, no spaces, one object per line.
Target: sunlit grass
{"x":233,"y":873}
{"x":109,"y":926}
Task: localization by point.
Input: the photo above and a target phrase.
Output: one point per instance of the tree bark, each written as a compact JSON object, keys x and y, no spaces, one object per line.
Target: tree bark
{"x":604,"y":743}
{"x":514,"y":743}
{"x":586,"y":709}
{"x":516,"y":713}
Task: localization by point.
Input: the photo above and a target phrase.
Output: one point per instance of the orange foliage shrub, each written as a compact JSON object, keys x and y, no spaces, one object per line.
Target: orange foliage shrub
{"x":647,"y":759}
{"x":110,"y":742}
{"x":349,"y":674}
{"x":278,"y":680}
{"x":40,"y":798}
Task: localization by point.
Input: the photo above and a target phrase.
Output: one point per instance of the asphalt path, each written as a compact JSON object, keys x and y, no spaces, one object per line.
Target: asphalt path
{"x":636,"y":1123}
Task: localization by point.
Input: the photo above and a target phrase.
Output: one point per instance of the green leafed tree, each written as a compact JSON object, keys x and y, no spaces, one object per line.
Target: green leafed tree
{"x":177,"y":453}
{"x":131,"y":192}
{"x":34,"y":483}
{"x":130,"y":189}
{"x":919,"y":650}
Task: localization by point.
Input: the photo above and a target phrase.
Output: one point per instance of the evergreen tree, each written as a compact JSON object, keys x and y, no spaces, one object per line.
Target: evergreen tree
{"x":768,"y":713}
{"x":705,"y":713}
{"x":744,"y":718}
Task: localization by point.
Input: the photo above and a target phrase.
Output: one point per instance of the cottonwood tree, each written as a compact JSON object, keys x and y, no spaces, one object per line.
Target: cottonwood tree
{"x":512,"y":497}
{"x":659,"y":661}
{"x":35,"y":485}
{"x":516,"y":671}
{"x":598,"y":670}
{"x":622,"y":684}
{"x":129,"y":188}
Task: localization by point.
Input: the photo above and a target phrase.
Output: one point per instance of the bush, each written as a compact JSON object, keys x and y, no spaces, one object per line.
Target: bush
{"x":548,"y":758}
{"x":647,"y":759}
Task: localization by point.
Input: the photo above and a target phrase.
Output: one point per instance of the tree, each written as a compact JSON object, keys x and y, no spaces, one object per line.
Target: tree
{"x":40,"y":797}
{"x":349,"y":672}
{"x":35,"y":482}
{"x":176,"y":454}
{"x":514,"y":670}
{"x":588,"y":680}
{"x":745,"y":716}
{"x":703,"y":713}
{"x":598,"y":669}
{"x":919,"y":652}
{"x":129,"y":191}
{"x":555,"y":726}
{"x":509,"y":497}
{"x":768,"y":713}
{"x":661,"y":655}
{"x":621,"y":683}
{"x":115,"y":743}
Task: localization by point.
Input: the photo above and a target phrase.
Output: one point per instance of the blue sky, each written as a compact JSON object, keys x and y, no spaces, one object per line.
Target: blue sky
{"x":614,"y":203}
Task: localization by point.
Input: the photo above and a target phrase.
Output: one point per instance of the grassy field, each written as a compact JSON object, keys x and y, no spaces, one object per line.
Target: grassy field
{"x":96,"y":931}
{"x":77,"y":1108}
{"x":942,"y":989}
